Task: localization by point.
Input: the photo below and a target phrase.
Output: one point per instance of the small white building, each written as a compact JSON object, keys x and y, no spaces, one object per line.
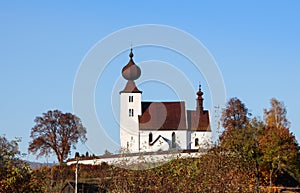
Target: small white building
{"x":159,"y":126}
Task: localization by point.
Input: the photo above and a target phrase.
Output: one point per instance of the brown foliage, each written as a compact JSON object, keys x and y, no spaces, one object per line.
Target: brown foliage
{"x":216,"y":171}
{"x":235,"y":115}
{"x":251,"y":154}
{"x":56,"y":132}
{"x":219,"y":170}
{"x":267,"y":147}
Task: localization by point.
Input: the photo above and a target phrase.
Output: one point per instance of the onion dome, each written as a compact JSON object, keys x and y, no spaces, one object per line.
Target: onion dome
{"x":131,"y":71}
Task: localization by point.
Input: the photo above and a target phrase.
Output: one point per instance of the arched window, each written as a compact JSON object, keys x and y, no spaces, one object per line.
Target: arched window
{"x":150,"y":137}
{"x":196,"y":142}
{"x":173,"y":140}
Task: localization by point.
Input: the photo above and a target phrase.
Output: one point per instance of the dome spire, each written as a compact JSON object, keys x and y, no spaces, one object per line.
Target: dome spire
{"x":131,"y":53}
{"x":200,"y":93}
{"x":131,"y":72}
{"x":200,"y":100}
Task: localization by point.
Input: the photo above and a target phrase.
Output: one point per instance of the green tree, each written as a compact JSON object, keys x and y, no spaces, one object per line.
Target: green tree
{"x":15,"y":174}
{"x":265,"y":147}
{"x":278,"y":145}
{"x":244,"y":144}
{"x":56,"y":132}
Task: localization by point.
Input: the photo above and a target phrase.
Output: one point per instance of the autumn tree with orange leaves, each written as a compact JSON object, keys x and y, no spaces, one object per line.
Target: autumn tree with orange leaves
{"x":267,"y":147}
{"x":56,"y":132}
{"x":278,"y":145}
{"x":240,"y":137}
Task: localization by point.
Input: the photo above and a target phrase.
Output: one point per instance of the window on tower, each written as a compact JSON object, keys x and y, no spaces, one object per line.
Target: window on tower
{"x":130,"y":112}
{"x":130,"y":99}
{"x":196,"y":142}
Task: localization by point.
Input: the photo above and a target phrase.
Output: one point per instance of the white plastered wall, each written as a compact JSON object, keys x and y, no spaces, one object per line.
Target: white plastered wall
{"x":162,"y":145}
{"x":204,"y":139}
{"x":129,"y":125}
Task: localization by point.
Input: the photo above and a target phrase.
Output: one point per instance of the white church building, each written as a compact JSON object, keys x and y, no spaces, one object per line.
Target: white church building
{"x":147,"y":126}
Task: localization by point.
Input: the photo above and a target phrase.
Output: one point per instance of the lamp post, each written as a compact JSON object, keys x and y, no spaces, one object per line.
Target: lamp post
{"x":76,"y":170}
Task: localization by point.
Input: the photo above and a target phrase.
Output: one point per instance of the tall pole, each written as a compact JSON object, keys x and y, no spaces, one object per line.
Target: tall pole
{"x":76,"y":175}
{"x":76,"y":170}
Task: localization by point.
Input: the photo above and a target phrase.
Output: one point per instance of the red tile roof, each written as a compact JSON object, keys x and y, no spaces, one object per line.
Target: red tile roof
{"x":198,"y":121}
{"x":172,"y":116}
{"x":163,"y":116}
{"x":130,"y":88}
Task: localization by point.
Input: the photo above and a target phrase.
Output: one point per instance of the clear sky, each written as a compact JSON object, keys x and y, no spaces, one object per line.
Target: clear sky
{"x":42,"y":44}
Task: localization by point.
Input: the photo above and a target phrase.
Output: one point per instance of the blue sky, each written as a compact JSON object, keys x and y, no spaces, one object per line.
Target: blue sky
{"x":255,"y":44}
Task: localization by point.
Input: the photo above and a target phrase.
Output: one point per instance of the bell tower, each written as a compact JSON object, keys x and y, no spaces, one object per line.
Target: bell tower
{"x":130,"y":108}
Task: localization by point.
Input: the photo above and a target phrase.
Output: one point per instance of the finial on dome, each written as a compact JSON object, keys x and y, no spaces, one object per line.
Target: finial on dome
{"x":131,"y":54}
{"x":199,"y":93}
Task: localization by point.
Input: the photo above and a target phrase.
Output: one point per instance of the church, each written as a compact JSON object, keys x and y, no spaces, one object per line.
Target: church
{"x":148,"y":126}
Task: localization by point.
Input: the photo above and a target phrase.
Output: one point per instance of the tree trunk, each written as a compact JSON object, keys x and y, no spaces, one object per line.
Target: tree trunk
{"x":271,"y":173}
{"x":60,"y":159}
{"x":257,"y":177}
